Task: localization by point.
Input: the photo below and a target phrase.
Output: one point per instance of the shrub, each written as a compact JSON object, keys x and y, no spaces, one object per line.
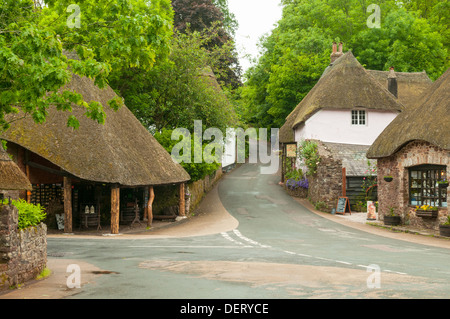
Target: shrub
{"x":29,"y":214}
{"x":309,"y":154}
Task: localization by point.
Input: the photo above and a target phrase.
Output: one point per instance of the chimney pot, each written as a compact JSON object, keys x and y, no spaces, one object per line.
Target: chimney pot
{"x":392,"y":82}
{"x":335,"y":55}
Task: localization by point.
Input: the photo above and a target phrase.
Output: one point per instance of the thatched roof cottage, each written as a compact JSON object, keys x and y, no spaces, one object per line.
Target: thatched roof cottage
{"x":415,"y":150}
{"x":347,"y":109}
{"x":119,"y":154}
{"x":11,"y":177}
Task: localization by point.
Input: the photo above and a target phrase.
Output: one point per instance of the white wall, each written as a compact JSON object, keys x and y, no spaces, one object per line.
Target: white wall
{"x":335,"y":126}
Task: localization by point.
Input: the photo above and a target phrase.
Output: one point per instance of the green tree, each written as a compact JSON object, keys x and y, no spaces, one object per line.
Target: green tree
{"x":180,"y":90}
{"x":109,"y":38}
{"x":414,"y":36}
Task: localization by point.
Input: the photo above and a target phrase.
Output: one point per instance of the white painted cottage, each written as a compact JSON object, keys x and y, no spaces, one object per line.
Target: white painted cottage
{"x":348,"y":108}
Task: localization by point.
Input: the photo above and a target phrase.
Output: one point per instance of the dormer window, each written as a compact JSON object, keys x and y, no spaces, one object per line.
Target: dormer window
{"x":359,"y":117}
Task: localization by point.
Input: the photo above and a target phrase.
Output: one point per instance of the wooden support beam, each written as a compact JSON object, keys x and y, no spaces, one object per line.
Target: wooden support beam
{"x":151,"y":197}
{"x":182,"y":204}
{"x":344,"y":180}
{"x":115,"y":209}
{"x":27,"y":169}
{"x":67,"y":205}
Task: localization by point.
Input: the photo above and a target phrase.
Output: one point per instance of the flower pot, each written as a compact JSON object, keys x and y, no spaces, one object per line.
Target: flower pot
{"x":392,"y":220}
{"x":443,"y":185}
{"x":427,"y":213}
{"x":388,"y":179}
{"x":444,"y":230}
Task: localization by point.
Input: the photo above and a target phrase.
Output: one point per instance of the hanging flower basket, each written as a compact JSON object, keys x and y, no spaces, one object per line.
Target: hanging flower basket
{"x":388,"y":178}
{"x":426,"y":211}
{"x":443,"y":184}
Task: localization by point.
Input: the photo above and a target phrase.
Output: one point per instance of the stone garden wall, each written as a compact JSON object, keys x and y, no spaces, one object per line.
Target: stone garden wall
{"x":23,"y":253}
{"x":396,"y":193}
{"x":325,"y":186}
{"x":199,"y":188}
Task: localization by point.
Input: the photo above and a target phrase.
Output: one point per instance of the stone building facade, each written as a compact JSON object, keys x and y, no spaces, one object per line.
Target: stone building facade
{"x":397,"y":193}
{"x":23,"y":253}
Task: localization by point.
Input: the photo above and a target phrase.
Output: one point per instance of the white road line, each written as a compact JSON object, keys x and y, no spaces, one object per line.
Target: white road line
{"x":226,"y":236}
{"x":343,"y":262}
{"x":238,"y":233}
{"x":186,"y":246}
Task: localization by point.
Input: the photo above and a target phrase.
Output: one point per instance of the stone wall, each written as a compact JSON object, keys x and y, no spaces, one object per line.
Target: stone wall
{"x":23,"y":253}
{"x":396,"y":193}
{"x":326,"y":185}
{"x":199,"y":188}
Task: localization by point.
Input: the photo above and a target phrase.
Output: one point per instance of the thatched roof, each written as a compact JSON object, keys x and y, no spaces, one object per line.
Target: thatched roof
{"x":121,"y":151}
{"x":427,"y":121}
{"x":11,"y":177}
{"x":346,"y":85}
{"x":411,"y":85}
{"x":286,"y":133}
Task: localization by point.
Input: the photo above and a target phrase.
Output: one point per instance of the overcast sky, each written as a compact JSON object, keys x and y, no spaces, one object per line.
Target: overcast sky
{"x":255,"y":18}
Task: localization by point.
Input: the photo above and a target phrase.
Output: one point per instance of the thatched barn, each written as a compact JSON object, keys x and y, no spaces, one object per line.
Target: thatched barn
{"x":93,"y":162}
{"x":12,"y":179}
{"x":415,"y":150}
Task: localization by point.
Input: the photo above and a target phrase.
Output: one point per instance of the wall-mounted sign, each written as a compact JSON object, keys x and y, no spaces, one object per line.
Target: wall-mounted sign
{"x":291,"y":150}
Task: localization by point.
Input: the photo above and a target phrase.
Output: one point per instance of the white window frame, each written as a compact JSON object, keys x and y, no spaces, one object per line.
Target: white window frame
{"x":358,"y":117}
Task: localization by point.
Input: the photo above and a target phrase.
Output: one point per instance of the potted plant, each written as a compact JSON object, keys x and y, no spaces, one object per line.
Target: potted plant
{"x":427,"y":211}
{"x":443,"y":183}
{"x":444,"y":229}
{"x":392,"y":219}
{"x":388,"y":178}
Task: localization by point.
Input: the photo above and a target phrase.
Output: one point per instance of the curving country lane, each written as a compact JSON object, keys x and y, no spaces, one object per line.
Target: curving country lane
{"x":252,"y":241}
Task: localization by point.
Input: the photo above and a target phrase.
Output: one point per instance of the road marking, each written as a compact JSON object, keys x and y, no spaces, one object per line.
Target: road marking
{"x":187,"y":246}
{"x":226,"y":236}
{"x":238,"y":233}
{"x":343,"y":262}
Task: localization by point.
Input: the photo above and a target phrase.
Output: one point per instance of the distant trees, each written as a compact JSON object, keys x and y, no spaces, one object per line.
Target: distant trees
{"x":204,"y":15}
{"x":414,"y":36}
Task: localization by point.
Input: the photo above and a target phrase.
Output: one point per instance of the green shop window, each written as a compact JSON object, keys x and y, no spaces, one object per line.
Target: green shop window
{"x":424,"y":188}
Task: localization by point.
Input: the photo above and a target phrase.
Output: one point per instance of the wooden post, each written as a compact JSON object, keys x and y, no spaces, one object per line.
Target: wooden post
{"x":151,"y":197}
{"x":115,"y":209}
{"x":182,"y":204}
{"x":344,"y":180}
{"x":67,"y":205}
{"x":27,"y":169}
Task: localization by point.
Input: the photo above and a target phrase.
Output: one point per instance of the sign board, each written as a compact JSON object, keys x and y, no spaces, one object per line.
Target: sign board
{"x":291,"y":150}
{"x":343,"y":206}
{"x":60,"y":221}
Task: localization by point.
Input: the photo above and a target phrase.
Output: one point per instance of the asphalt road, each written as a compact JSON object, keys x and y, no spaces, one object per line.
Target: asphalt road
{"x":252,"y":242}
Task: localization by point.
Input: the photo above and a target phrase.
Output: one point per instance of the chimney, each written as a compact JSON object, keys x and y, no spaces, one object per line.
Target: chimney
{"x":335,"y":54}
{"x":392,"y":82}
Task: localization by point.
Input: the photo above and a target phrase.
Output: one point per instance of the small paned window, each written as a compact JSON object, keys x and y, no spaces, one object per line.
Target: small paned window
{"x":424,"y":188}
{"x":359,"y":117}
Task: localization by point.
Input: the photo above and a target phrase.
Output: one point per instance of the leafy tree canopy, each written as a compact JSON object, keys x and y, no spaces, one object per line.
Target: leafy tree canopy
{"x":413,"y":36}
{"x":108,"y":38}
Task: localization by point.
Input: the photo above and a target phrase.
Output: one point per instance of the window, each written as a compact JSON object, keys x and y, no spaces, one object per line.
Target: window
{"x":359,"y":117}
{"x":423,"y":186}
